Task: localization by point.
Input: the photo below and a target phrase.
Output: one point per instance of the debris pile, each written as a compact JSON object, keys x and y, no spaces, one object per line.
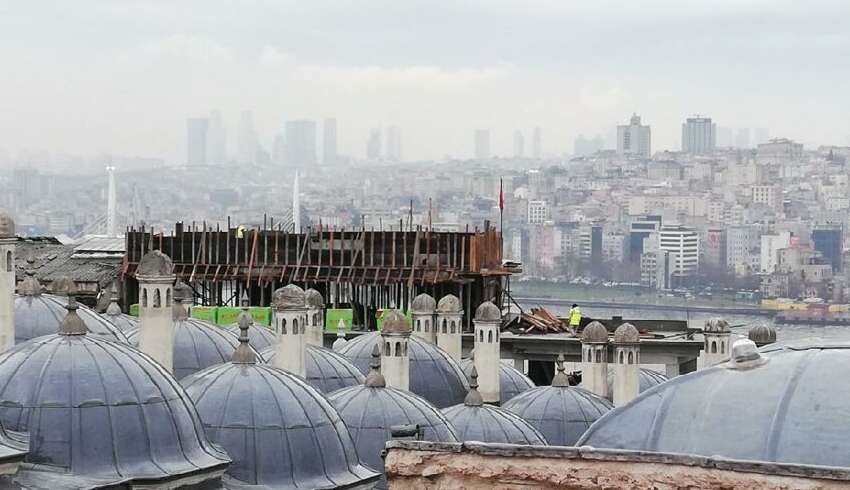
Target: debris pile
{"x":538,"y":320}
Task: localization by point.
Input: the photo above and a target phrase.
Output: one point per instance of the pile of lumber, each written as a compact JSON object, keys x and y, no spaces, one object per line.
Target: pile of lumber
{"x":541,"y":320}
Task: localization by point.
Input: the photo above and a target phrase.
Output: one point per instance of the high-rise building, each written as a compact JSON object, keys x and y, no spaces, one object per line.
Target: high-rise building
{"x":216,"y":140}
{"x":196,"y":140}
{"x":829,"y":242}
{"x":329,"y":139}
{"x":394,"y":144}
{"x":519,"y":144}
{"x":482,"y":144}
{"x":247,"y":142}
{"x":634,"y":139}
{"x":683,"y":245}
{"x":537,"y":143}
{"x":300,"y":143}
{"x":373,"y":145}
{"x":639,"y":231}
{"x":699,"y":135}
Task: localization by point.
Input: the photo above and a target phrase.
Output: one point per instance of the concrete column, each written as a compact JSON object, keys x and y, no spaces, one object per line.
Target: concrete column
{"x":487,"y":328}
{"x":156,"y":333}
{"x":626,"y":364}
{"x":7,"y":292}
{"x":290,"y":324}
{"x":422,"y":310}
{"x":315,"y":318}
{"x":395,"y":358}
{"x":594,"y":356}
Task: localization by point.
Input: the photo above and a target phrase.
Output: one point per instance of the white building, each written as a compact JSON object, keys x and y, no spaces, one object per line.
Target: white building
{"x":770,"y":247}
{"x":538,"y":212}
{"x":742,"y":249}
{"x":769,"y":195}
{"x":634,"y":139}
{"x":683,"y":245}
{"x":699,"y":135}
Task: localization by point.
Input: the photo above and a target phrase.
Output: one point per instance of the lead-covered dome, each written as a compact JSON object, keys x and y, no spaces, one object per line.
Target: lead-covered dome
{"x":562,"y":413}
{"x":762,"y":334}
{"x":327,"y":371}
{"x":788,"y":405}
{"x":434,"y":375}
{"x":511,"y":381}
{"x":279,"y":431}
{"x":102,"y":410}
{"x":115,"y":316}
{"x":475,"y":421}
{"x":370,"y":411}
{"x":40,"y":314}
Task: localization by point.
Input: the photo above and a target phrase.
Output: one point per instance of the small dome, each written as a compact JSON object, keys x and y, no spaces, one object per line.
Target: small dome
{"x":7,"y":225}
{"x":260,"y":336}
{"x":155,"y":264}
{"x":488,"y":312}
{"x":716,"y":325}
{"x":594,"y":333}
{"x":475,"y":421}
{"x":787,"y":406}
{"x":423,"y":304}
{"x":511,"y":381}
{"x":626,"y":334}
{"x":122,"y":419}
{"x":647,"y":378}
{"x":327,"y":371}
{"x":449,"y":304}
{"x":314,"y":299}
{"x":40,"y":315}
{"x":395,"y":323}
{"x":289,"y":297}
{"x":560,"y":412}
{"x":371,"y":409}
{"x":762,"y":334}
{"x":115,"y":316}
{"x":279,"y":431}
{"x":434,"y":375}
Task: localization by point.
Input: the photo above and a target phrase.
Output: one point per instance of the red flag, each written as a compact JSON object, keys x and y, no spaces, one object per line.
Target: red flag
{"x":501,"y":195}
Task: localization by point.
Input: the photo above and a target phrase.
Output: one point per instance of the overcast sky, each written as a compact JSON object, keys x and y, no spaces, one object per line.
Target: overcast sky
{"x":121,"y":77}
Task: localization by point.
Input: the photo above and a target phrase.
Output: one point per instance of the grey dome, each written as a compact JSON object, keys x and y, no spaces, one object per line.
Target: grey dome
{"x":716,"y":325}
{"x":279,"y":431}
{"x":594,"y":333}
{"x":626,"y":334}
{"x":511,"y":381}
{"x":197,"y":345}
{"x":488,"y":312}
{"x":434,"y":375}
{"x":327,"y":371}
{"x":370,"y":411}
{"x":394,"y":322}
{"x":647,"y":378}
{"x":40,"y":315}
{"x":7,"y":225}
{"x":449,"y":304}
{"x":115,"y":316}
{"x":155,"y":264}
{"x":789,"y":406}
{"x":423,"y":304}
{"x":762,"y":334}
{"x":314,"y":299}
{"x":101,"y":409}
{"x":289,"y":297}
{"x":260,"y":336}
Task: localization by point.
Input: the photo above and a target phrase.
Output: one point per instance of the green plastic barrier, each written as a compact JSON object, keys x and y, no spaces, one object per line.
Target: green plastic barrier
{"x":333,"y":316}
{"x":134,"y":309}
{"x":261,"y":314}
{"x":206,"y":313}
{"x":227,"y":315}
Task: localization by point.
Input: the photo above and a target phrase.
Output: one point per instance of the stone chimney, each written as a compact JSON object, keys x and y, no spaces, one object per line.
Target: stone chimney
{"x":315,"y":317}
{"x":448,"y":327}
{"x":488,"y":326}
{"x":422,"y":312}
{"x":594,"y":358}
{"x":7,"y":282}
{"x":395,"y":359}
{"x":156,"y":282}
{"x":290,"y":324}
{"x":716,"y":334}
{"x":626,"y":364}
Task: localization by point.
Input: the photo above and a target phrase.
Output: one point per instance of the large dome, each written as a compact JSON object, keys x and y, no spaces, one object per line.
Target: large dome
{"x":103,"y":410}
{"x":371,"y":409}
{"x":511,"y":381}
{"x":279,"y":431}
{"x":560,"y":412}
{"x":40,"y":314}
{"x":433,"y":374}
{"x":788,"y":405}
{"x":327,"y":371}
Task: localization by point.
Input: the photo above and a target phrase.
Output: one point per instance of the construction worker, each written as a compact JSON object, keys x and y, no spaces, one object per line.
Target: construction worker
{"x":575,"y":317}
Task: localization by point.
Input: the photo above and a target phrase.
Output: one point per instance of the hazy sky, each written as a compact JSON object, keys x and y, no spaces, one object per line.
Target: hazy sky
{"x":121,"y":77}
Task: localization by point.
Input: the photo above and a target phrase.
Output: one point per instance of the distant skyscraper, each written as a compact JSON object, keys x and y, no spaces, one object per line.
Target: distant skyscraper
{"x":742,"y":138}
{"x":216,"y":140}
{"x":634,"y":139}
{"x":301,"y":143}
{"x":519,"y":144}
{"x":699,"y":135}
{"x":537,"y":143}
{"x":196,"y":140}
{"x":247,"y":142}
{"x":329,"y":151}
{"x":373,"y":145}
{"x":482,"y":144}
{"x":394,"y":144}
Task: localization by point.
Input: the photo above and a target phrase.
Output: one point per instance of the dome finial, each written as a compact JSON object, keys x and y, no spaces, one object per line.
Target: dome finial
{"x":245,"y":301}
{"x":375,"y":379}
{"x":113,"y":309}
{"x":72,"y":324}
{"x":30,"y":285}
{"x":560,"y":379}
{"x":473,"y":398}
{"x":243,"y":353}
